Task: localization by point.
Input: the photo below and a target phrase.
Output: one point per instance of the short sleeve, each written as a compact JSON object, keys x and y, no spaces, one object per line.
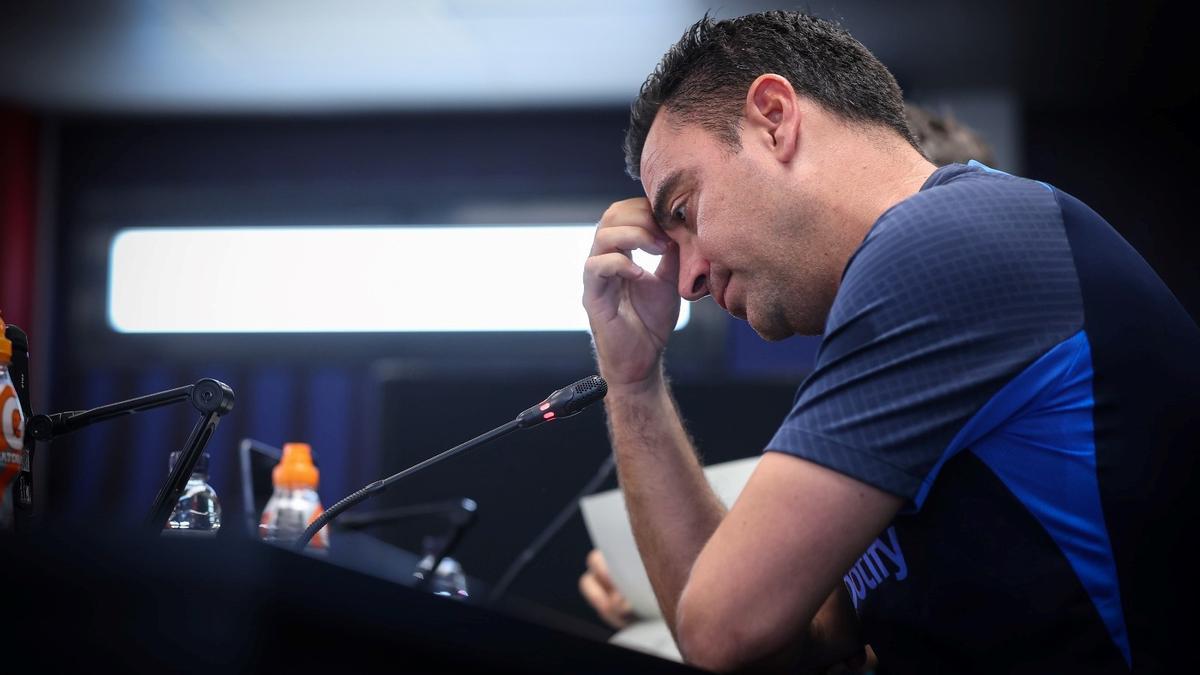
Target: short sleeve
{"x":953,"y":293}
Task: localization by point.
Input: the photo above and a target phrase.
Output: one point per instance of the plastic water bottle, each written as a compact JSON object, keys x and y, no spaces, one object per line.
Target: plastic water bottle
{"x":295,"y":503}
{"x":447,"y":580}
{"x":198,"y":511}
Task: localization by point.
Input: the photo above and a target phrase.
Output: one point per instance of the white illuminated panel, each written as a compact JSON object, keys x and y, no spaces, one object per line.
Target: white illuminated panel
{"x":362,"y":279}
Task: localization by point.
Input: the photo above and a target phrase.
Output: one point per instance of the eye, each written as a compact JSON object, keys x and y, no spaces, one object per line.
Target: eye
{"x":679,"y":215}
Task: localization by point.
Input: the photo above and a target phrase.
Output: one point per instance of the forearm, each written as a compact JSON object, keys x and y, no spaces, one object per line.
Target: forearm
{"x":763,"y":595}
{"x":832,"y":640}
{"x":672,"y":509}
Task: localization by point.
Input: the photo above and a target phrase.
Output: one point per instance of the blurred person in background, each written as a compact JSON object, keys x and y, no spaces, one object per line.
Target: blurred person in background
{"x":945,"y":140}
{"x":979,"y":474}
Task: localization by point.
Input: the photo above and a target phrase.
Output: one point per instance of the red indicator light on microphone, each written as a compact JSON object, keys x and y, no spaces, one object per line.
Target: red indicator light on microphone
{"x":548,"y":416}
{"x":544,"y":406}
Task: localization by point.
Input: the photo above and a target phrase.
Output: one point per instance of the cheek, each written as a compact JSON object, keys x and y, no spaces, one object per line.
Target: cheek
{"x":717,"y":222}
{"x":730,"y":215}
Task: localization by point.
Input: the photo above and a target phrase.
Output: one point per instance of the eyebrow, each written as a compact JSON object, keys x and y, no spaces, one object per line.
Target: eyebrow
{"x":660,"y":196}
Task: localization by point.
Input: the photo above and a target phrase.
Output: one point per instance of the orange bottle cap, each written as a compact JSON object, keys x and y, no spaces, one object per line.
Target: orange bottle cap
{"x":295,"y":470}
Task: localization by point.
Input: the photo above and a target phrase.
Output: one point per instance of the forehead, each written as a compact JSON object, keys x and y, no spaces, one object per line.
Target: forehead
{"x":670,"y":147}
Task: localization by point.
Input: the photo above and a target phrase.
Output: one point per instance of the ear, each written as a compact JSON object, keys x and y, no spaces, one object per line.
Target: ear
{"x":773,"y":116}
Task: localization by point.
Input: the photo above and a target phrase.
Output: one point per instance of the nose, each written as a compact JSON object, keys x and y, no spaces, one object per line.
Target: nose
{"x":694,"y":272}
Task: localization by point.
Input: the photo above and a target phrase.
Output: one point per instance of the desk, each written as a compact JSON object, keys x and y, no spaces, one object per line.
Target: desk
{"x":222,"y":604}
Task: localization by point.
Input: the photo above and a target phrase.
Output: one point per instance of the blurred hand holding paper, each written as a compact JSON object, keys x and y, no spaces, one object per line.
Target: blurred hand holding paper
{"x":608,"y":525}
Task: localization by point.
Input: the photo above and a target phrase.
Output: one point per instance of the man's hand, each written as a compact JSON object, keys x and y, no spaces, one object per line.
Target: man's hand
{"x":632,"y":312}
{"x":598,"y":589}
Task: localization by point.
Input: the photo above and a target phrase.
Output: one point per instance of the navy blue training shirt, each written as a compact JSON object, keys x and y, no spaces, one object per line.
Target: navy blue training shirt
{"x":1001,"y":358}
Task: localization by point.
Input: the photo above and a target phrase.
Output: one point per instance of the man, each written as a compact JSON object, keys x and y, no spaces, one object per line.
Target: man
{"x":985,"y":468}
{"x":943,"y":140}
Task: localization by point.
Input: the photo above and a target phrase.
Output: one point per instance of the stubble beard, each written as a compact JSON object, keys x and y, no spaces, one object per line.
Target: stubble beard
{"x":790,"y":299}
{"x":779,"y":313}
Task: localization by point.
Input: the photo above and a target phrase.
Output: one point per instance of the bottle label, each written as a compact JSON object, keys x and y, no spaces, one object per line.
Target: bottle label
{"x":12,"y":446}
{"x":288,"y":515}
{"x":289,"y":525}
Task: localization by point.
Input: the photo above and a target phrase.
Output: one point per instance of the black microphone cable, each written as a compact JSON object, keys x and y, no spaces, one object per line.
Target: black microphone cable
{"x":562,"y":403}
{"x":523,"y":559}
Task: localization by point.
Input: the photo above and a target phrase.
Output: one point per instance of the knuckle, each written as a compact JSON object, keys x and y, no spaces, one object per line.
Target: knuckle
{"x":604,"y":237}
{"x":612,"y":212}
{"x":623,"y":209}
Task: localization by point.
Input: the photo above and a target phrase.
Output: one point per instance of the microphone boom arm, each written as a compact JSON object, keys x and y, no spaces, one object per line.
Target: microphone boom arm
{"x":208,"y":396}
{"x":381,"y":485}
{"x":560,"y":404}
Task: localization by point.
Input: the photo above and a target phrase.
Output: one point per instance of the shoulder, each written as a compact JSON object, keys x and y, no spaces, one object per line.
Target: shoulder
{"x":966,"y":205}
{"x":954,"y":291}
{"x":972,"y":236}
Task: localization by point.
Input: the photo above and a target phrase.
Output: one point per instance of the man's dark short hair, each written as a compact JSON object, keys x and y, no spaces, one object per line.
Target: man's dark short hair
{"x":704,"y":77}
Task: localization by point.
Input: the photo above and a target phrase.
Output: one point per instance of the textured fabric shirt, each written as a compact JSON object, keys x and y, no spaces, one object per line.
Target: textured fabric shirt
{"x":1001,"y":358}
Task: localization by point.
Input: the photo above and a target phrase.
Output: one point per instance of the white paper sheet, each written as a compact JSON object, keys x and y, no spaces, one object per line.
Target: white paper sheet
{"x":608,"y":525}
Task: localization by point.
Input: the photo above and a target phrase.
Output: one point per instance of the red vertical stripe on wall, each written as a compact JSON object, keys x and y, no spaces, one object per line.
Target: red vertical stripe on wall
{"x":18,"y":215}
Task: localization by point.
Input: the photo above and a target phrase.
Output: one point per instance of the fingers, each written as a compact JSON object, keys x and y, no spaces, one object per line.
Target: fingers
{"x":622,"y":609}
{"x":630,"y":310}
{"x":609,"y":265}
{"x":594,"y":593}
{"x":627,"y":225}
{"x":598,"y":566}
{"x":598,"y":589}
{"x":612,"y":607}
{"x":599,"y":270}
{"x":625,"y":238}
{"x":634,"y":212}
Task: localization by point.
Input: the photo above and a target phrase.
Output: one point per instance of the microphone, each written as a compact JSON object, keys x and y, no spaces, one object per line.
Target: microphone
{"x":565,"y":402}
{"x":562,"y":403}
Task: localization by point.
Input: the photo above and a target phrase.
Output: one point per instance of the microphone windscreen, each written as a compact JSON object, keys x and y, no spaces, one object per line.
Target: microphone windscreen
{"x":587,"y":391}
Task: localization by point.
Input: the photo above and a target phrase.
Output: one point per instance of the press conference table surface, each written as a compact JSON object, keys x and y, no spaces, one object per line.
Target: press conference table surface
{"x":215,"y":605}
